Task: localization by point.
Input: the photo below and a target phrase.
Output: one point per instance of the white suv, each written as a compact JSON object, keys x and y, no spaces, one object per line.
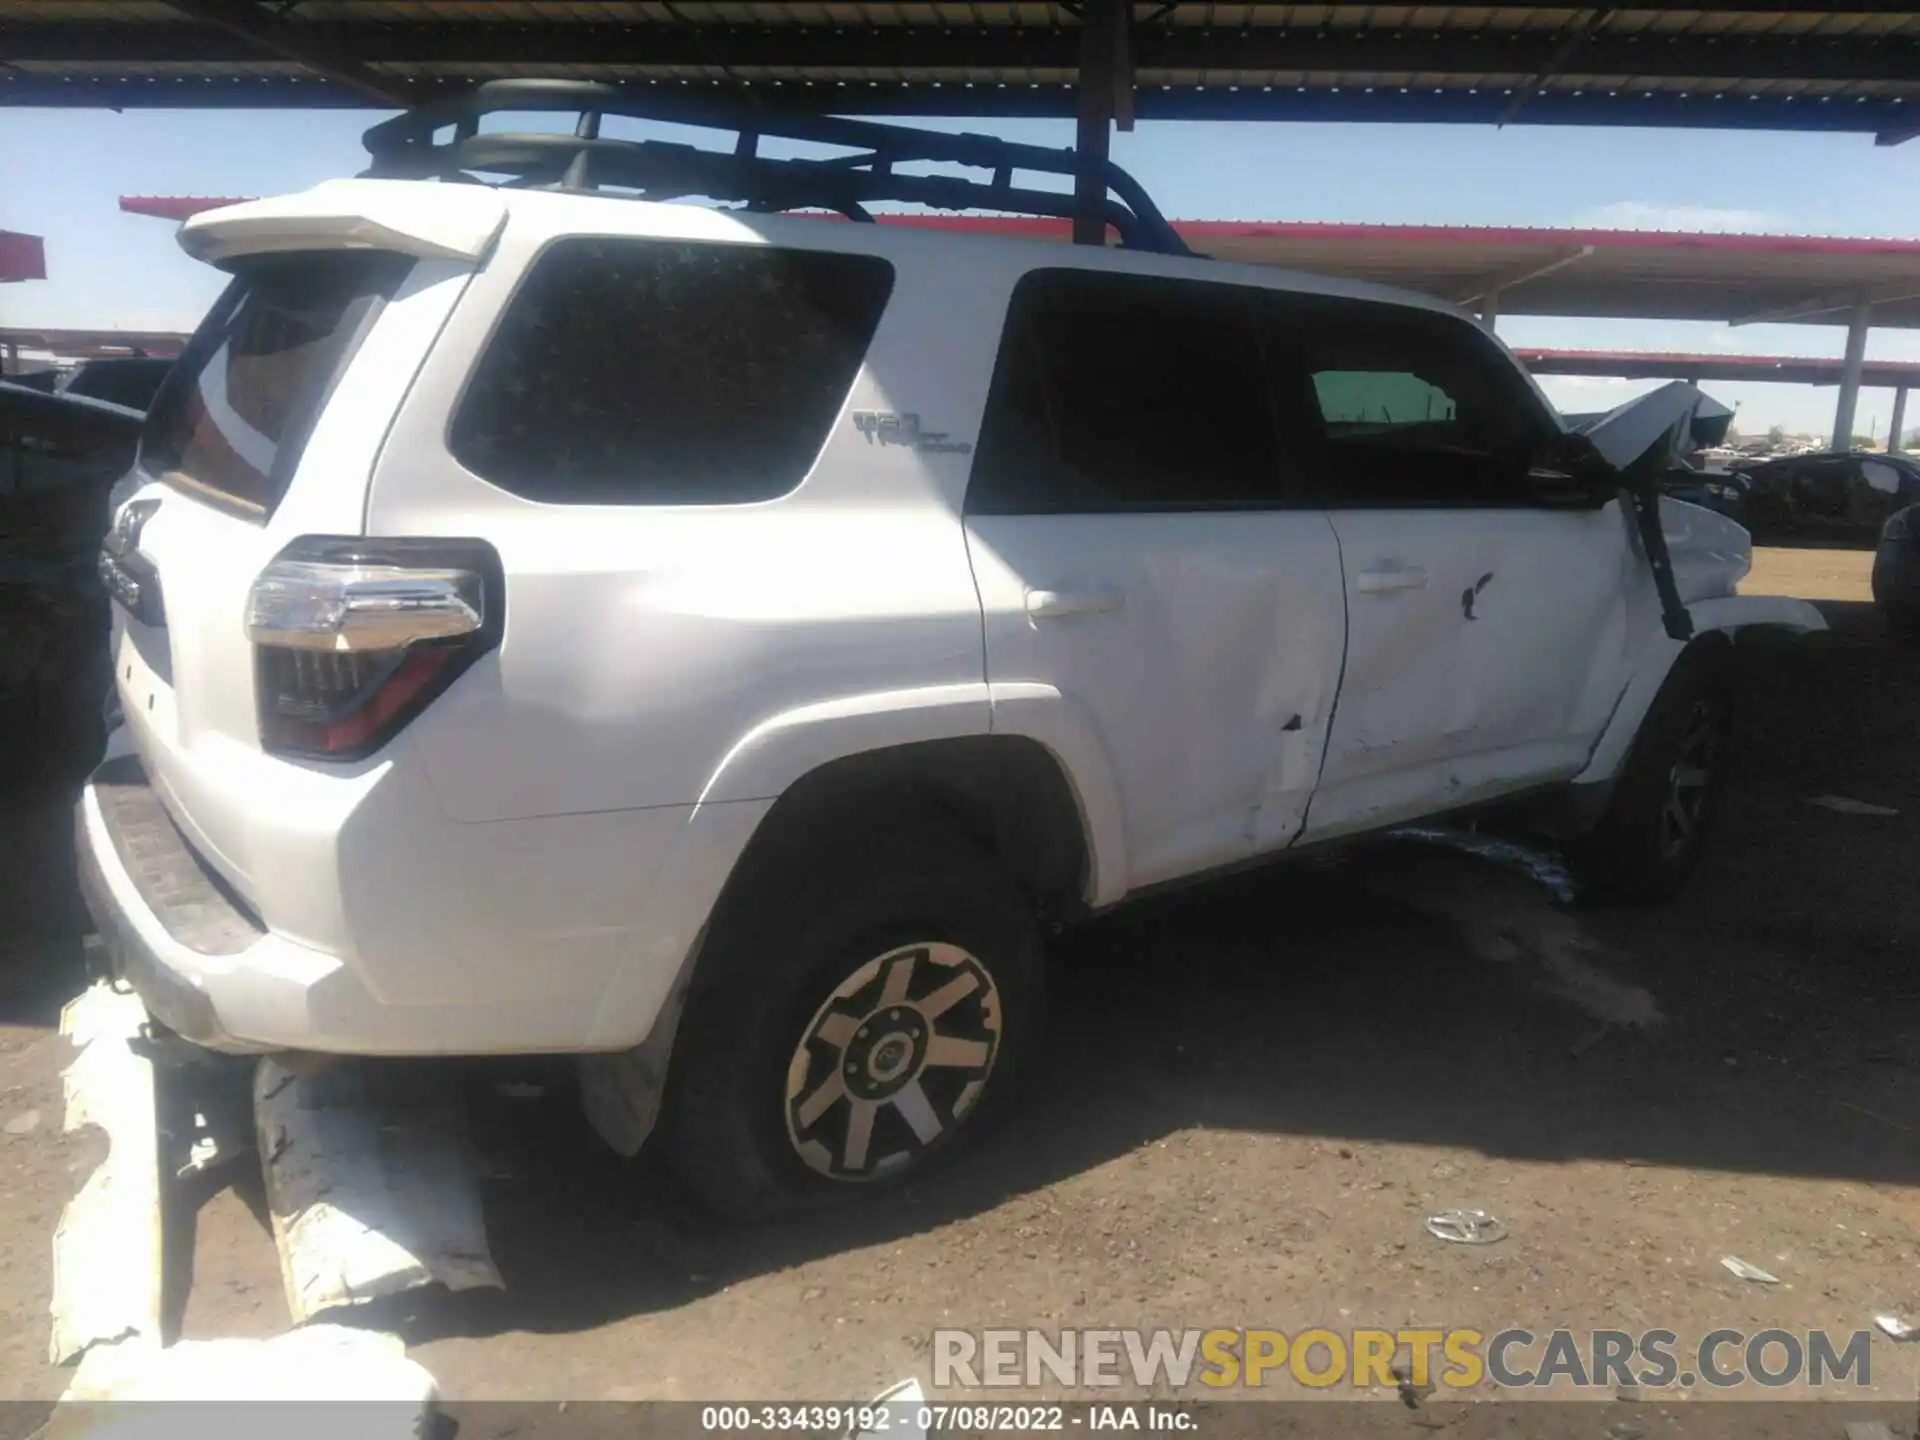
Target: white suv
{"x":720,"y":644}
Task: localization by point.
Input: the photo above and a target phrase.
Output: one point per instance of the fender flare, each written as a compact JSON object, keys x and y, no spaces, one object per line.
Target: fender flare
{"x":640,"y":1012}
{"x":1723,"y":615}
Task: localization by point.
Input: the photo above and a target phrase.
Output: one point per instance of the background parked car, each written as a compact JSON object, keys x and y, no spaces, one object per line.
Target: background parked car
{"x":131,"y":380}
{"x":1724,"y":493}
{"x":60,"y":456}
{"x":1896,"y":572}
{"x":1837,"y":494}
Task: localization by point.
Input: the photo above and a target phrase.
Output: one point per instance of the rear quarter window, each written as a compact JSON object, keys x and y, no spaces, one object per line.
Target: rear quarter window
{"x":660,"y":372}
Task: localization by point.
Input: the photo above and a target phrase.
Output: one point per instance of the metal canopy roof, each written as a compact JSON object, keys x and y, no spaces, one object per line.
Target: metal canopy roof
{"x":1852,"y":65}
{"x":89,"y":343}
{"x":1631,"y":274}
{"x":1659,"y":365}
{"x":1625,"y":274}
{"x":22,"y":257}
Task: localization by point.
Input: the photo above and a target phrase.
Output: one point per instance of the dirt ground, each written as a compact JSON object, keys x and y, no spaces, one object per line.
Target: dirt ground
{"x":1251,"y":1098}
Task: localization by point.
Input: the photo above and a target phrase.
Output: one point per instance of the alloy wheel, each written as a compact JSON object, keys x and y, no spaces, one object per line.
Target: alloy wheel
{"x":894,"y":1061}
{"x":1689,"y":782}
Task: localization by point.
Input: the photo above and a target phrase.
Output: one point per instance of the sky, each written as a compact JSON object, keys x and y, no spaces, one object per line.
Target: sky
{"x":62,"y":173}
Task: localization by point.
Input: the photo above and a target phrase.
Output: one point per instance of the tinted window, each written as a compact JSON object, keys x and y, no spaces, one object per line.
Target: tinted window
{"x":1125,"y":392}
{"x":240,"y":401}
{"x":1401,"y":407}
{"x":661,"y":372}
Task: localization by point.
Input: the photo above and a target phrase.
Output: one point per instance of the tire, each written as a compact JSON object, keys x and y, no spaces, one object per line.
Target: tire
{"x":809,"y":1066}
{"x":1647,"y":842}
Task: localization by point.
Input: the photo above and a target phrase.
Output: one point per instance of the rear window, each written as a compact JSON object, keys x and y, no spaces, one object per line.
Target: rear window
{"x":632,"y":372}
{"x":237,"y":408}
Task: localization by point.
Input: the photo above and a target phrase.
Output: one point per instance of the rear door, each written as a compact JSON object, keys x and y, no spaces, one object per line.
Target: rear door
{"x":1142,"y":547}
{"x":1487,"y":618}
{"x":261,"y":434}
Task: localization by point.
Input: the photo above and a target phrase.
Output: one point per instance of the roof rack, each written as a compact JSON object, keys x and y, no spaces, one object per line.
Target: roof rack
{"x":404,"y":148}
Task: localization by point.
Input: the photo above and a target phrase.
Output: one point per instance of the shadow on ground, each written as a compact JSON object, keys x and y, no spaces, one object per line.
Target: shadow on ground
{"x":1766,"y":1023}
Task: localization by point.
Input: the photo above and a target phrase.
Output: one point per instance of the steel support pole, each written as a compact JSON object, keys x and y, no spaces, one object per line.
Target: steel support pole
{"x":1849,"y":404}
{"x":1899,"y":417}
{"x":1490,"y":309}
{"x":1099,"y":49}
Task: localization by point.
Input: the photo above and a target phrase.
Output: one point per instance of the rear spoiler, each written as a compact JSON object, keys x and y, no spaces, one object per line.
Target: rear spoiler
{"x":438,"y":222}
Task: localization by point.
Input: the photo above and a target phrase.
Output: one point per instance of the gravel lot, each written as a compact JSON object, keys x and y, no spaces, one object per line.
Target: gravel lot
{"x":1252,"y":1097}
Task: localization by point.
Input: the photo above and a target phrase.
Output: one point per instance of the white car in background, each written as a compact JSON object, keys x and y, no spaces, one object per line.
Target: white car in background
{"x":719,"y":645}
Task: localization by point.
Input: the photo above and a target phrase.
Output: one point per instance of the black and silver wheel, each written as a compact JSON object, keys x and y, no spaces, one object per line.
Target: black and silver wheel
{"x":893,"y":1063}
{"x":854,"y":1018}
{"x":1690,"y":781}
{"x":1648,"y":841}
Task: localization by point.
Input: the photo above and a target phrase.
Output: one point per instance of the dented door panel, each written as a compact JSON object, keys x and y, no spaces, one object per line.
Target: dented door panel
{"x":1210,"y":663}
{"x":1495,"y":672}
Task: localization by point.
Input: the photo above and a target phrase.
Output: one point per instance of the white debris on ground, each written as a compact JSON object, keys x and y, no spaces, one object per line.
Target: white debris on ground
{"x":113,"y":1392}
{"x":371,"y":1193}
{"x":108,"y":1267}
{"x":110,"y":1261}
{"x":902,"y":1403}
{"x":1841,"y":805}
{"x":1894,"y":1328}
{"x":1736,"y":1266}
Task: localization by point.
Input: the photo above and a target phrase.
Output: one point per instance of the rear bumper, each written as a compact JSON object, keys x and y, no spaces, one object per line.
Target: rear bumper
{"x":204,"y":967}
{"x":468,"y":940}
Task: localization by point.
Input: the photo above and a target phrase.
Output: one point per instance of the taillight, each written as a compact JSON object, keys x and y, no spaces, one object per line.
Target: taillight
{"x":354,"y":638}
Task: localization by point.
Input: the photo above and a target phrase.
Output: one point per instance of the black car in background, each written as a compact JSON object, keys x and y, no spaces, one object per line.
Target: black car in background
{"x":1896,"y":573}
{"x":60,"y":457}
{"x":131,"y":380}
{"x":1837,"y":495}
{"x":1710,"y":491}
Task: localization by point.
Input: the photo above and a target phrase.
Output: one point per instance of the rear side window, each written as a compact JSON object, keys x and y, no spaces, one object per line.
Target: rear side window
{"x":1118,"y":392}
{"x":237,"y":408}
{"x":659,"y":372}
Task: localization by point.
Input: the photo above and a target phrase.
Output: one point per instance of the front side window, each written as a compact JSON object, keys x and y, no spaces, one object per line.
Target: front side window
{"x":664,"y":372}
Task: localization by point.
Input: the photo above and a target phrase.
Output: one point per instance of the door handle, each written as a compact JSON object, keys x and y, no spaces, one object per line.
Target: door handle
{"x":1391,"y":577}
{"x":1054,"y":604}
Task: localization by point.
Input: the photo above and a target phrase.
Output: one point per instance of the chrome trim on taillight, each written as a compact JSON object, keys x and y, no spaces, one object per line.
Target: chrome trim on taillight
{"x":309,"y":605}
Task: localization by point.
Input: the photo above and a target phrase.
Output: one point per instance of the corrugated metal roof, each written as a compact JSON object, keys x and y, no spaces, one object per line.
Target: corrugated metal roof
{"x":1638,"y":274}
{"x":1850,"y":65}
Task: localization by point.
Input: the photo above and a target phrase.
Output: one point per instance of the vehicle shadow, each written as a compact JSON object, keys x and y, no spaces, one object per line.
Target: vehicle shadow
{"x":1760,"y":1024}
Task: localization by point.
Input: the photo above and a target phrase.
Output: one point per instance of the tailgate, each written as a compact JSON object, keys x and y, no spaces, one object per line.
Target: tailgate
{"x":266,"y":430}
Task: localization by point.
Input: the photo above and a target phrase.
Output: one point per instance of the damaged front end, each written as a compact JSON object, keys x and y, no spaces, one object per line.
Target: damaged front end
{"x":1647,"y":440}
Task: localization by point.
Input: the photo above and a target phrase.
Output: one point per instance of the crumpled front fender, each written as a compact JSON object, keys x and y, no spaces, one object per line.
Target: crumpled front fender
{"x":1732,"y":613}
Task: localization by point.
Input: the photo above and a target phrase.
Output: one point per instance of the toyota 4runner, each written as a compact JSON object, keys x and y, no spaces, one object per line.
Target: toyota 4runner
{"x":719,"y":643}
